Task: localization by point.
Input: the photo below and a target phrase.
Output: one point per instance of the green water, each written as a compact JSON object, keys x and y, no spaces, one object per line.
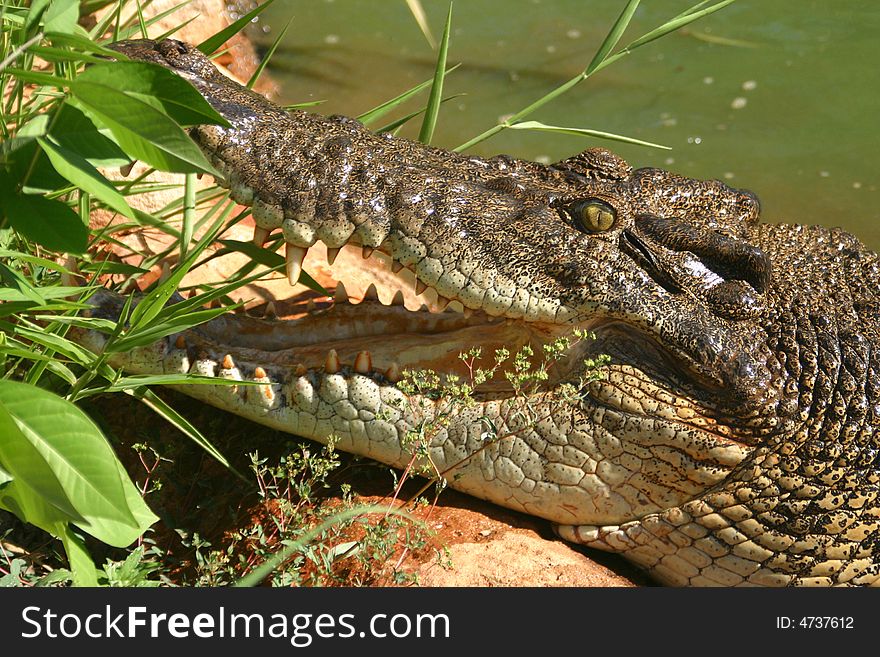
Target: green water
{"x":779,"y":96}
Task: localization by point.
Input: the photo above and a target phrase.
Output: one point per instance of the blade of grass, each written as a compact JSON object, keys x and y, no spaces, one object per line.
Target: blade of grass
{"x":395,"y":125}
{"x":418,"y":12}
{"x":584,"y":132}
{"x":212,"y":43}
{"x":614,"y":34}
{"x":160,"y":407}
{"x":381,"y":110}
{"x":675,"y":24}
{"x":269,"y":53}
{"x":687,"y":17}
{"x":433,"y":108}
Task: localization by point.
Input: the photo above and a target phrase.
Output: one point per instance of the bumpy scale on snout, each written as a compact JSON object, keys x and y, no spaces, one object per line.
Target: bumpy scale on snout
{"x":730,"y":439}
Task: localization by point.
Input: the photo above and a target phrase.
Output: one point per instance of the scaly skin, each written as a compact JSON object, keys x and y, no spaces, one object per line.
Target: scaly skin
{"x":730,"y":440}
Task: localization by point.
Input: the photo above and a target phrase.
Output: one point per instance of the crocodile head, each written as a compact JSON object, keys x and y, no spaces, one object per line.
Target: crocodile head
{"x":673,"y":276}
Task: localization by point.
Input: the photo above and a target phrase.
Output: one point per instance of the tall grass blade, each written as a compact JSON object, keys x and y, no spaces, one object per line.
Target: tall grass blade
{"x":213,"y":43}
{"x":676,"y":23}
{"x":265,"y":60}
{"x":613,"y":35}
{"x":160,"y":407}
{"x":418,"y":12}
{"x":379,"y":111}
{"x":584,"y":132}
{"x":433,"y":108}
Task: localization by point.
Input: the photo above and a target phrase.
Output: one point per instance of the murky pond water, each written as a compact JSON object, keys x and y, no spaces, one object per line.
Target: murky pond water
{"x":781,"y":96}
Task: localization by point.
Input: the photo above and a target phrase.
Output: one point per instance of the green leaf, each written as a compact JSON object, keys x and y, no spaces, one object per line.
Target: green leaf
{"x":61,"y":16}
{"x":148,"y":333}
{"x":74,"y":131}
{"x":51,"y":224}
{"x":264,"y":60}
{"x":679,"y":21}
{"x":83,"y":175}
{"x":58,"y":456}
{"x":157,"y":404}
{"x":156,"y":86}
{"x":613,"y":35}
{"x":143,"y":131}
{"x":210,"y":45}
{"x":5,"y":477}
{"x":35,"y":13}
{"x":434,"y":100}
{"x":381,"y":110}
{"x":82,"y":568}
{"x":583,"y":132}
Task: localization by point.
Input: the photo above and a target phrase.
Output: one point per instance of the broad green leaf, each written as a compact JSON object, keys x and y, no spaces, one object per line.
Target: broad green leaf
{"x":5,"y":477}
{"x":82,"y":174}
{"x":51,"y":224}
{"x":157,"y":86}
{"x":74,"y":131}
{"x":141,"y":130}
{"x":82,"y":568}
{"x":38,"y":7}
{"x":57,"y":454}
{"x":583,"y":132}
{"x":61,"y":16}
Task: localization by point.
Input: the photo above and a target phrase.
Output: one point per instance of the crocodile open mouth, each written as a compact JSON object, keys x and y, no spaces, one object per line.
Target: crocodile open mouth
{"x":377,"y":330}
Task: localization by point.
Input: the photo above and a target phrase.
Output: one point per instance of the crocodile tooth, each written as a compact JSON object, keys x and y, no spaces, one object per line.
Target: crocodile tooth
{"x":420,"y":287}
{"x":396,"y":266}
{"x":371,"y":294}
{"x":397,"y":299}
{"x":442,"y":302}
{"x":340,"y":295}
{"x":294,"y":256}
{"x":260,"y":235}
{"x":125,"y":170}
{"x":424,"y":308}
{"x":180,"y":342}
{"x":331,"y":255}
{"x":259,"y":372}
{"x":393,"y":373}
{"x":367,"y":251}
{"x":270,"y":312}
{"x":363,"y":362}
{"x":227,"y":363}
{"x":468,"y":312}
{"x":300,"y":370}
{"x":331,"y":364}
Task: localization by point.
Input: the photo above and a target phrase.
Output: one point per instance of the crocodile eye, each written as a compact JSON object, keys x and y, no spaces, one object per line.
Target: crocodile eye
{"x":593,"y":215}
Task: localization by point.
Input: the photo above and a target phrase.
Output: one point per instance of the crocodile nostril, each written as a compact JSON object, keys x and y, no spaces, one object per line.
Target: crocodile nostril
{"x":729,"y":257}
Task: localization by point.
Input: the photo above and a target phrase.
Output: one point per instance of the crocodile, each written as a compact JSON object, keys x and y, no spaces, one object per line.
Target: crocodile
{"x":728,"y":435}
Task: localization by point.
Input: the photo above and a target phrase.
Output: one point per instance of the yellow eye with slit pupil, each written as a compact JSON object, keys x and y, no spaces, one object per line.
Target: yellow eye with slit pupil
{"x":594,"y":215}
